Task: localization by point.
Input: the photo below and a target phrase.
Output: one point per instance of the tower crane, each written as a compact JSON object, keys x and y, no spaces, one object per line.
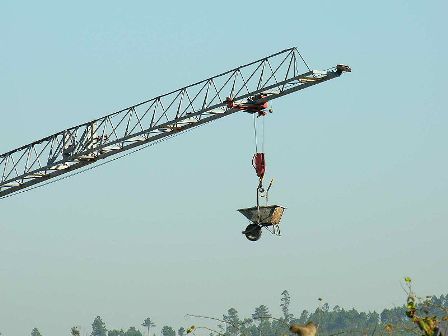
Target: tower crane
{"x":245,"y":88}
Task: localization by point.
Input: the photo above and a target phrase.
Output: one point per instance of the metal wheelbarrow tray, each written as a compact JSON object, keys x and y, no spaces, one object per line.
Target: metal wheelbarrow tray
{"x":266,"y":216}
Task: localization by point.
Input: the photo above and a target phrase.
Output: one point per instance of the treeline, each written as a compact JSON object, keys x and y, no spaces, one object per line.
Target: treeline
{"x":262,"y":323}
{"x":330,"y":320}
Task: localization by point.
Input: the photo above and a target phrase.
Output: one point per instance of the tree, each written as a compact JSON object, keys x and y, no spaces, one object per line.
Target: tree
{"x":98,"y":327}
{"x":233,"y":322}
{"x":262,"y":315}
{"x":35,"y":332}
{"x":74,"y":331}
{"x":304,"y":316}
{"x":148,"y":323}
{"x":181,"y":331}
{"x":133,"y":332}
{"x":261,"y":312}
{"x":116,"y":332}
{"x":168,"y":331}
{"x":373,"y":318}
{"x":285,"y":301}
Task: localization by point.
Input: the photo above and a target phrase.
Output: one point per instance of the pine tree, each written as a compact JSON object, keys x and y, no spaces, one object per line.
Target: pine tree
{"x":148,"y":323}
{"x":74,"y":331}
{"x":98,"y":327}
{"x":133,"y":332}
{"x":35,"y":332}
{"x":168,"y":331}
{"x":262,"y":315}
{"x":285,"y":302}
{"x":233,"y":322}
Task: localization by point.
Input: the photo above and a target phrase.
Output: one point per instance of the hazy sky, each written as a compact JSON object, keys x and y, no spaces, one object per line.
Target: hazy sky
{"x":360,"y":162}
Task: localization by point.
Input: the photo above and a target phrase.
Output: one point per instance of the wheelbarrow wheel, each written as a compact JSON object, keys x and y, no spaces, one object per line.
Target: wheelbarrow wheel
{"x":252,"y":232}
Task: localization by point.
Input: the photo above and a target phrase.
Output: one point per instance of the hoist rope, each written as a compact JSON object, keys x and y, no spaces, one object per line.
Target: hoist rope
{"x":255,"y":134}
{"x":262,"y":136}
{"x":258,"y":160}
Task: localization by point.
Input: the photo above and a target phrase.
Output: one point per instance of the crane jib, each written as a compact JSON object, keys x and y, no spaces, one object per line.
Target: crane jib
{"x":71,"y":149}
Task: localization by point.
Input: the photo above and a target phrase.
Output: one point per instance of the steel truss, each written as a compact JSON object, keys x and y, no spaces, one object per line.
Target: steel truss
{"x":193,"y":105}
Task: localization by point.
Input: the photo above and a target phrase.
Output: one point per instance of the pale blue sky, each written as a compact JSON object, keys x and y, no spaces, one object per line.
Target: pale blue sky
{"x":360,"y":162}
